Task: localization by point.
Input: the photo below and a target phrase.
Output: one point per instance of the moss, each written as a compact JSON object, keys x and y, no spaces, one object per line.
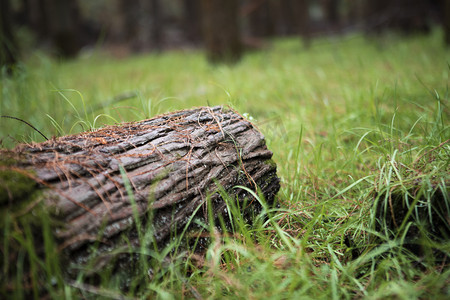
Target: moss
{"x":15,"y":186}
{"x":271,"y":163}
{"x":18,"y":192}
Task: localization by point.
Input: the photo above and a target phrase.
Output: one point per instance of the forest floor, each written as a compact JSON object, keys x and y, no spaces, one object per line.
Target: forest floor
{"x":352,"y":121}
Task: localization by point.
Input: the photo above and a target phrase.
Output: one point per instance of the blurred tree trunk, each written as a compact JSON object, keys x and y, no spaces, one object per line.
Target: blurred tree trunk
{"x":375,"y":15}
{"x":35,"y":16}
{"x":8,"y":46}
{"x":156,"y":27}
{"x":64,"y":21}
{"x":131,"y":17}
{"x":192,"y":20}
{"x":262,"y":18}
{"x":406,"y":16}
{"x":331,"y":10}
{"x":288,"y":17}
{"x":412,"y":16}
{"x":447,"y":22}
{"x":355,"y":12}
{"x":301,"y":9}
{"x":221,"y":30}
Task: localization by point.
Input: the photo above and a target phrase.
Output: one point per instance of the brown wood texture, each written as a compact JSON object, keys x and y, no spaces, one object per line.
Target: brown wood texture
{"x":172,"y":163}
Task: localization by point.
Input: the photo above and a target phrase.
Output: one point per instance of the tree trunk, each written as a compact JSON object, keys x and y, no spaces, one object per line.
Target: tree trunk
{"x":130,"y":11}
{"x":221,"y":30}
{"x":192,"y":20}
{"x":375,"y":16}
{"x":64,"y":21}
{"x":405,"y":16}
{"x":289,"y":16}
{"x":36,"y":17}
{"x":301,"y":9}
{"x":8,"y":47}
{"x":261,"y":18}
{"x":99,"y":186}
{"x":331,"y":10}
{"x":355,"y":13}
{"x":447,"y":22}
{"x":156,"y":25}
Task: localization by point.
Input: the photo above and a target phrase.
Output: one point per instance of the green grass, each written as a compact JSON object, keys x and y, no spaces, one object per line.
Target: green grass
{"x":350,"y":121}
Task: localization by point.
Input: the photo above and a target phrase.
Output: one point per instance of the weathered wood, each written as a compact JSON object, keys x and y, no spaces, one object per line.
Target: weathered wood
{"x":172,"y":163}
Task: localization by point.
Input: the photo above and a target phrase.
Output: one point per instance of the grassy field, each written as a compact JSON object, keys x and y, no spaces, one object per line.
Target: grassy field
{"x":351,"y":122}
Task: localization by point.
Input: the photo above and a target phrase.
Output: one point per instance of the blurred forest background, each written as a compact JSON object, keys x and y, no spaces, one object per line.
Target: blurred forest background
{"x":225,"y":29}
{"x":351,"y":95}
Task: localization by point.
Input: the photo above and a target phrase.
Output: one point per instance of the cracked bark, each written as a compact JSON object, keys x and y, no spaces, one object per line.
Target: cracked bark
{"x":172,"y":163}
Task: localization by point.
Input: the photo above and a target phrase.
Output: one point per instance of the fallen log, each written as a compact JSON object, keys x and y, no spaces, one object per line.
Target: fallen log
{"x":98,"y":186}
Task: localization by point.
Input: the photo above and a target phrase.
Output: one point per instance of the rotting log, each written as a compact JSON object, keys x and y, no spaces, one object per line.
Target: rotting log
{"x":170,"y":164}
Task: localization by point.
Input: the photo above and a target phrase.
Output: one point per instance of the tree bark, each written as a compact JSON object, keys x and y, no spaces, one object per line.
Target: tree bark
{"x":172,"y":166}
{"x":221,"y":30}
